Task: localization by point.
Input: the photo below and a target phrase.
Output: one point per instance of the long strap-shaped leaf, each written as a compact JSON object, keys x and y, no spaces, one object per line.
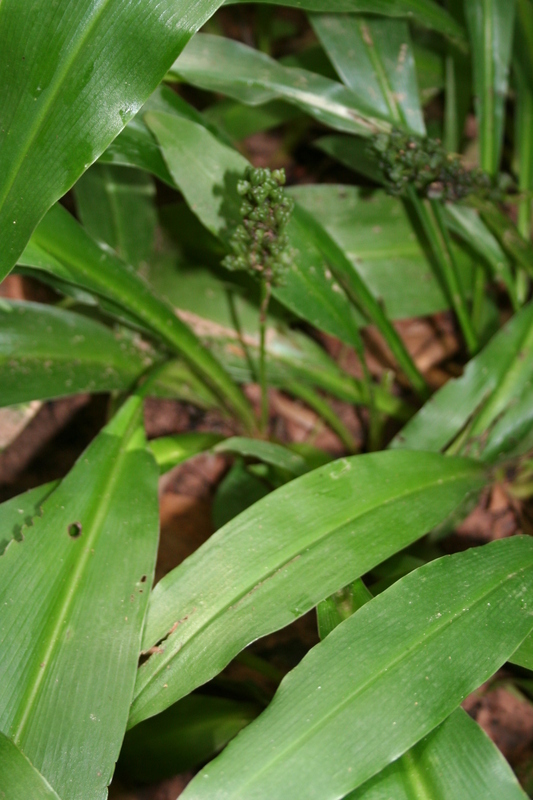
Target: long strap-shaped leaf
{"x":219,"y":64}
{"x":73,"y":594}
{"x":491,"y":385}
{"x":49,"y":352}
{"x":382,"y":679}
{"x":457,"y":760}
{"x":62,"y":248}
{"x":19,"y":780}
{"x":73,"y":73}
{"x":374,"y":57}
{"x":279,"y":558}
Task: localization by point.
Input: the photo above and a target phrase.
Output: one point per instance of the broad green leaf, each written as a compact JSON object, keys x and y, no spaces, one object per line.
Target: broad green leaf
{"x":19,"y":780}
{"x":116,"y":206}
{"x":223,"y":65}
{"x":205,"y":170}
{"x":374,"y":57}
{"x":463,"y":412}
{"x":268,"y":452}
{"x":183,"y":737}
{"x":63,"y":104}
{"x":74,"y":591}
{"x":62,"y":248}
{"x":426,"y":12}
{"x":376,"y":234}
{"x":457,"y":760}
{"x":490,"y":26}
{"x":279,"y":558}
{"x":348,"y":277}
{"x":48,"y":352}
{"x":523,"y":656}
{"x":169,"y":451}
{"x":382,"y":680}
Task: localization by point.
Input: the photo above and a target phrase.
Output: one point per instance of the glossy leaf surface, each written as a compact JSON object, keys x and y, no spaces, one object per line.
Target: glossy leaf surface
{"x":62,"y":248}
{"x":48,"y":352}
{"x":282,"y":556}
{"x":389,"y":675}
{"x":116,"y":206}
{"x":374,"y":57}
{"x":222,"y":65}
{"x":492,"y":384}
{"x":74,"y":591}
{"x":457,"y":760}
{"x":63,"y":105}
{"x":19,"y":780}
{"x":490,"y":25}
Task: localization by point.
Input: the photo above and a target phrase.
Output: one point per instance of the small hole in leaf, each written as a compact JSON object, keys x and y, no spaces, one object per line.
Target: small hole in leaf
{"x":143,"y":579}
{"x":74,"y":530}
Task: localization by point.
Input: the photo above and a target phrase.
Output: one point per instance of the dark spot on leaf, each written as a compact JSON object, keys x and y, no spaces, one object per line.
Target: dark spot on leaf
{"x":74,"y":530}
{"x":143,"y":579}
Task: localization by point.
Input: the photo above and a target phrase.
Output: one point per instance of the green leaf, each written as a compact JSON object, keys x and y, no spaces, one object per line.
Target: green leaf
{"x":74,"y":591}
{"x":426,"y":12}
{"x":63,"y":105}
{"x":374,"y":57}
{"x":62,"y":248}
{"x":205,"y":170}
{"x":466,"y":224}
{"x":183,"y":737}
{"x":169,"y":451}
{"x":462,"y":413}
{"x":346,"y":274}
{"x":19,"y":780}
{"x":116,"y":206}
{"x":457,"y":760}
{"x":18,"y":513}
{"x":388,"y":684}
{"x":268,"y":452}
{"x":490,"y":26}
{"x":47,"y":352}
{"x":458,"y":85}
{"x":279,"y":558}
{"x":376,"y":234}
{"x":223,"y":65}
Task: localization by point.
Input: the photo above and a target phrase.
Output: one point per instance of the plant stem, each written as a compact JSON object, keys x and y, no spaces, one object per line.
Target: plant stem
{"x":524,"y":123}
{"x":266,"y":290}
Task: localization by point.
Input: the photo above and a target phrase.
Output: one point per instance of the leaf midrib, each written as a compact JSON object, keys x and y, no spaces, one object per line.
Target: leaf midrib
{"x":53,"y":94}
{"x":373,"y":679}
{"x":69,"y":594}
{"x":162,"y":662}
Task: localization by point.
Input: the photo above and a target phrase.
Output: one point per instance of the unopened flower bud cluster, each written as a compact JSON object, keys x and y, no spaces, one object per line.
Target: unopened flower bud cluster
{"x":259,"y":243}
{"x":425,"y":164}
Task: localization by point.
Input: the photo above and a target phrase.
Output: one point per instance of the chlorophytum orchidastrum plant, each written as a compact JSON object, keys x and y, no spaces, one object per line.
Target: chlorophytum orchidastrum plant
{"x":177,"y":269}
